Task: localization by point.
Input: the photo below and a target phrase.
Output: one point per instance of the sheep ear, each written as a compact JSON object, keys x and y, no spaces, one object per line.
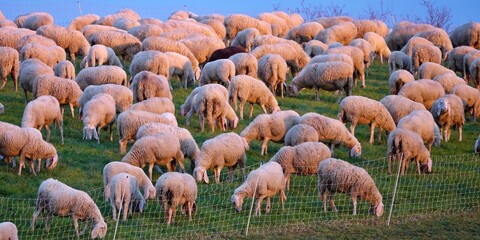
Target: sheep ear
{"x":84,"y":132}
{"x":194,"y":208}
{"x":205,"y":176}
{"x":95,"y":133}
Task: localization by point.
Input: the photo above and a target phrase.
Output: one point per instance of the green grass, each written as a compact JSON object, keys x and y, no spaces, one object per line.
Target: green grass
{"x":441,"y":205}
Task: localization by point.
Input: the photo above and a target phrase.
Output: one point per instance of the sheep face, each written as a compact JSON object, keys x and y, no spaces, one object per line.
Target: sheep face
{"x":292,"y":90}
{"x":90,"y":131}
{"x":138,"y":205}
{"x":237,"y":202}
{"x":443,"y":107}
{"x":426,"y":167}
{"x":356,"y":151}
{"x":233,"y":124}
{"x":200,"y":173}
{"x":51,"y":163}
{"x":99,"y":231}
{"x":377,"y":210}
{"x":150,"y":193}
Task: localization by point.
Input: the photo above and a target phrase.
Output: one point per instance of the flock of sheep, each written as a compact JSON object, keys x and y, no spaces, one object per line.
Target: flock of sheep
{"x":232,"y":58}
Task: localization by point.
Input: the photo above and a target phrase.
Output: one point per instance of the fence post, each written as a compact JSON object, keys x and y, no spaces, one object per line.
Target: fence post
{"x":251,"y":206}
{"x":395,"y":189}
{"x":79,"y":8}
{"x":118,"y":220}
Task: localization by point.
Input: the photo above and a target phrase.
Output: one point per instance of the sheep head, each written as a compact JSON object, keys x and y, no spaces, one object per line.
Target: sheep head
{"x":237,"y":202}
{"x":443,"y":107}
{"x":138,"y":205}
{"x":150,"y":193}
{"x":52,"y":162}
{"x":356,"y":150}
{"x":292,"y":90}
{"x":200,"y":173}
{"x":377,"y":210}
{"x":233,"y":124}
{"x":99,"y":231}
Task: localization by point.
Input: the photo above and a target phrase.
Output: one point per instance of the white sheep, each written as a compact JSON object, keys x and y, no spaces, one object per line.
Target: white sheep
{"x":248,"y":89}
{"x":245,"y":64}
{"x":340,"y":57}
{"x":264,"y":182}
{"x":468,"y":35}
{"x":187,"y":105}
{"x":367,"y":49}
{"x":455,"y":57}
{"x":363,"y":110}
{"x":219,"y":71}
{"x":97,"y":55}
{"x":335,"y":175}
{"x":300,"y":133}
{"x":399,"y":106}
{"x":10,"y":65}
{"x":343,"y":32}
{"x":475,"y":72}
{"x":153,"y":61}
{"x":439,"y":38}
{"x":125,"y":195}
{"x":111,"y":169}
{"x":365,"y":26}
{"x":11,"y":35}
{"x":99,"y":75}
{"x":402,"y":32}
{"x":97,"y":113}
{"x":57,"y":198}
{"x":245,"y":38}
{"x":49,"y":55}
{"x":424,"y":91}
{"x":216,"y":25}
{"x":175,"y":189}
{"x":64,"y":69}
{"x":90,"y":29}
{"x":403,"y":142}
{"x":125,"y":23}
{"x":379,"y":45}
{"x":156,"y":105}
{"x":41,"y":112}
{"x":422,"y":122}
{"x":314,"y":48}
{"x":333,"y":132}
{"x":449,"y":110}
{"x":224,"y":150}
{"x":294,"y":55}
{"x":399,"y":60}
{"x":449,"y":80}
{"x":467,"y":62}
{"x":80,"y":21}
{"x":399,"y":78}
{"x":180,"y":66}
{"x":235,"y":23}
{"x":145,"y":30}
{"x":72,"y":41}
{"x":202,"y":47}
{"x":357,"y":58}
{"x":275,"y":21}
{"x":272,"y":70}
{"x":123,"y":44}
{"x":430,"y":70}
{"x":412,"y":43}
{"x":35,"y":20}
{"x":422,"y":54}
{"x":122,"y":95}
{"x":471,"y":97}
{"x":270,"y":127}
{"x":304,"y":32}
{"x":146,"y":85}
{"x":8,"y":231}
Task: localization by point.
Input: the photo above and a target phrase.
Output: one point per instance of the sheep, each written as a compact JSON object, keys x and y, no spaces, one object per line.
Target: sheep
{"x":175,"y":189}
{"x":79,"y":22}
{"x":412,"y":43}
{"x":224,"y":150}
{"x":272,"y":70}
{"x":57,"y":198}
{"x":41,"y":112}
{"x":300,"y":133}
{"x":248,"y":89}
{"x":217,"y":26}
{"x":399,"y":60}
{"x":29,"y":70}
{"x":11,"y":35}
{"x":72,"y":41}
{"x":145,"y":30}
{"x":225,"y":53}
{"x":221,"y":71}
{"x":7,"y":23}
{"x":466,"y":35}
{"x":5,"y":127}
{"x":455,"y":57}
{"x":315,"y":47}
{"x":125,"y":13}
{"x":403,"y":142}
{"x":97,"y":113}
{"x":430,"y":70}
{"x":270,"y":40}
{"x":124,"y":193}
{"x":343,"y":32}
{"x":422,"y":122}
{"x":477,"y":145}
{"x":146,"y":85}
{"x":335,"y":175}
{"x":270,"y":127}
{"x":153,"y":61}
{"x":365,"y":26}
{"x":330,"y":76}
{"x":101,"y":75}
{"x":202,"y":47}
{"x":470,"y":96}
{"x":124,"y":44}
{"x":399,"y":78}
{"x":191,"y":27}
{"x":467,"y":63}
{"x":449,"y":110}
{"x":156,"y":105}
{"x":111,"y":169}
{"x":378,"y":44}
{"x":122,"y":95}
{"x":129,"y":121}
{"x":66,"y":91}
{"x":424,"y":91}
{"x":422,"y":54}
{"x":8,"y":231}
{"x":399,"y":106}
{"x":10,"y":65}
{"x":402,"y":32}
{"x":37,"y":19}
{"x":305,"y":32}
{"x":180,"y":66}
{"x":331,"y":57}
{"x":439,"y":38}
{"x":125,"y":23}
{"x":367,"y":49}
{"x":245,"y":64}
{"x":64,"y":69}
{"x":449,"y":80}
{"x":303,"y":159}
{"x":363,"y":110}
{"x":34,"y":38}
{"x":295,"y":57}
{"x":357,"y":58}
{"x":97,"y":55}
{"x":185,"y":108}
{"x":293,"y":19}
{"x":235,"y":23}
{"x":43,"y":53}
{"x":90,"y":29}
{"x":333,"y":132}
{"x":245,"y":38}
{"x":275,"y":21}
{"x":475,"y":72}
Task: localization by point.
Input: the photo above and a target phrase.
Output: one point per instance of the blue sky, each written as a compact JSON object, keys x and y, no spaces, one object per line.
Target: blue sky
{"x":64,"y":10}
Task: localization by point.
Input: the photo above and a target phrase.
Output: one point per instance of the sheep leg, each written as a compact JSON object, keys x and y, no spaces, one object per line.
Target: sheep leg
{"x":35,"y":216}
{"x":354,"y":201}
{"x":111,"y":131}
{"x":230,"y":173}
{"x":251,"y":110}
{"x":32,"y":167}
{"x":324,"y":200}
{"x":372,"y":132}
{"x":190,"y":209}
{"x":242,"y":104}
{"x":418,"y":166}
{"x":49,"y":215}
{"x":265,"y":146}
{"x":287,"y":181}
{"x":21,"y":164}
{"x":268,"y":208}
{"x":316,"y":94}
{"x":263,"y":108}
{"x":48,"y":133}
{"x":150,"y":170}
{"x":189,"y":115}
{"x":39,"y":161}
{"x":201,"y":121}
{"x":390,"y":158}
{"x":75,"y":224}
{"x":352,"y":127}
{"x":126,"y":204}
{"x":283,"y":198}
{"x":71,"y":110}
{"x":404,"y":166}
{"x":380,"y":134}
{"x":258,"y":211}
{"x":460,"y":134}
{"x":114,"y":210}
{"x":332,"y":202}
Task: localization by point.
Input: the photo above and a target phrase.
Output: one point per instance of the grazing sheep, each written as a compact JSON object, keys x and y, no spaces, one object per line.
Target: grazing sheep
{"x":275,"y":21}
{"x":264,"y":182}
{"x":471,"y":97}
{"x":404,"y":31}
{"x":72,"y":41}
{"x":367,"y":49}
{"x":248,"y":89}
{"x":343,"y":33}
{"x":245,"y":38}
{"x":41,"y":112}
{"x":8,"y":231}
{"x":111,"y":169}
{"x":57,"y":198}
{"x":467,"y":63}
{"x":29,"y":70}
{"x":97,"y":55}
{"x":187,"y":106}
{"x":101,"y":75}
{"x":235,"y":23}
{"x":180,"y":66}
{"x":219,"y":71}
{"x":340,"y":57}
{"x":124,"y":44}
{"x":449,"y":110}
{"x":9,"y":36}
{"x":422,"y":54}
{"x":124,"y":195}
{"x":422,"y":122}
{"x":145,"y":30}
{"x":379,"y":45}
{"x":455,"y":58}
{"x":79,"y":22}
{"x":10,"y":65}
{"x":304,"y":32}
{"x":430,"y":70}
{"x":449,"y":80}
{"x":314,"y":48}
{"x":153,"y":61}
{"x":403,"y":142}
{"x":399,"y":60}
{"x":272,"y":70}
{"x":216,"y":25}
{"x":156,"y":105}
{"x":270,"y":40}
{"x":330,"y":76}
{"x":146,"y":85}
{"x":399,"y":78}
{"x":335,"y":175}
{"x":357,"y":58}
{"x":125,"y":23}
{"x":412,"y":43}
{"x":224,"y":150}
{"x":245,"y":64}
{"x":225,"y":53}
{"x":466,"y":35}
{"x":175,"y":189}
{"x":399,"y":106}
{"x":124,"y":13}
{"x":300,"y":133}
{"x":424,"y":91}
{"x":97,"y":113}
{"x":49,"y":55}
{"x":295,"y":57}
{"x":64,"y":69}
{"x":122,"y":95}
{"x":363,"y":110}
{"x":90,"y":29}
{"x":37,"y":19}
{"x":34,"y":38}
{"x":333,"y":132}
{"x":439,"y":38}
{"x":365,"y":26}
{"x":334,"y":20}
{"x":202,"y":47}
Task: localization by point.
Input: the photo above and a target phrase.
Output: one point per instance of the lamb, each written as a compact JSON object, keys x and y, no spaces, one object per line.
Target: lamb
{"x":248,"y":89}
{"x":471,"y":97}
{"x":59,"y":199}
{"x":175,"y":189}
{"x":305,"y":32}
{"x":379,"y":45}
{"x":399,"y":106}
{"x":29,"y":69}
{"x":302,"y":159}
{"x":220,"y":71}
{"x":224,"y":150}
{"x":422,"y":54}
{"x":122,"y":95}
{"x":335,"y":175}
{"x":146,"y":85}
{"x":430,"y":70}
{"x":225,"y":53}
{"x":145,"y":30}
{"x":202,"y":47}
{"x":333,"y":132}
{"x":403,"y":142}
{"x":270,"y":127}
{"x":79,"y":22}
{"x":439,"y":38}
{"x":180,"y":66}
{"x":156,"y":105}
{"x":402,"y":32}
{"x":129,"y":121}
{"x":466,"y":35}
{"x":399,"y":60}
{"x":245,"y":38}
{"x":449,"y":110}
{"x":101,"y":75}
{"x":111,"y":169}
{"x":187,"y":106}
{"x":64,"y":69}
{"x":363,"y":110}
{"x":399,"y":78}
{"x":9,"y":231}
{"x":154,"y":61}
{"x":97,"y":113}
{"x":66,"y":91}
{"x":124,"y":44}
{"x":422,"y":122}
{"x":10,"y":65}
{"x":343,"y":32}
{"x":295,"y":57}
{"x":72,"y":41}
{"x":235,"y":23}
{"x":455,"y":57}
{"x":357,"y":58}
{"x":124,"y":195}
{"x":300,"y":133}
{"x":272,"y":70}
{"x":330,"y":76}
{"x":315,"y":47}
{"x":245,"y":64}
{"x":449,"y":80}
{"x":264,"y":182}
{"x":424,"y":91}
{"x":41,"y":112}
